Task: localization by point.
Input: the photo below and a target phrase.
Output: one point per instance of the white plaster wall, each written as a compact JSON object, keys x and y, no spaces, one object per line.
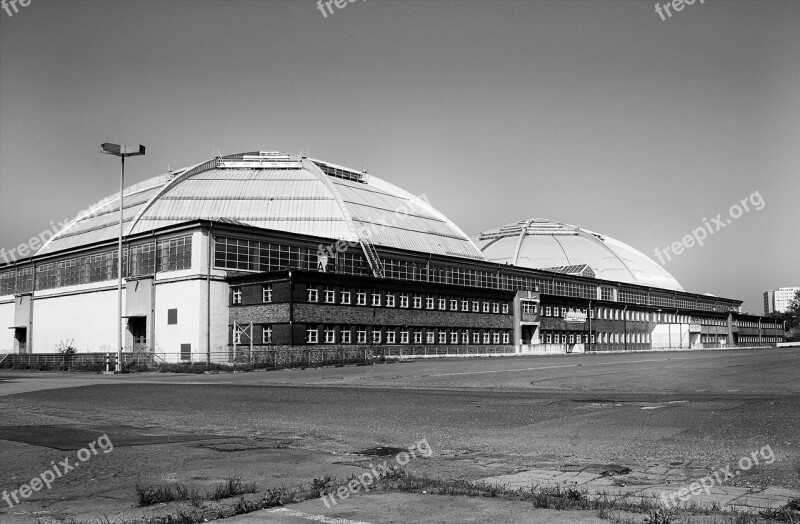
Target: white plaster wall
{"x":6,"y":321}
{"x":90,"y":319}
{"x":187,"y":298}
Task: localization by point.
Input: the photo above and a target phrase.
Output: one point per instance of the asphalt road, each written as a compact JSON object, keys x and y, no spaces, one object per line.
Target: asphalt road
{"x":480,"y":416}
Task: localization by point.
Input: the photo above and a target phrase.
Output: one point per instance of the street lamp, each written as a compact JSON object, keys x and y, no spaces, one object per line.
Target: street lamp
{"x":122,"y":152}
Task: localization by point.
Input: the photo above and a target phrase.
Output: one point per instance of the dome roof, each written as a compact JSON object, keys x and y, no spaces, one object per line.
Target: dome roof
{"x":542,"y":244}
{"x":274,"y":191}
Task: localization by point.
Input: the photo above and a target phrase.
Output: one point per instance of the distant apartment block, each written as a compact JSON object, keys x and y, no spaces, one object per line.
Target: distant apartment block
{"x":779,"y":300}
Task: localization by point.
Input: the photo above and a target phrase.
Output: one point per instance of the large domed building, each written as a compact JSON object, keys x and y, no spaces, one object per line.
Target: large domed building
{"x":277,"y":252}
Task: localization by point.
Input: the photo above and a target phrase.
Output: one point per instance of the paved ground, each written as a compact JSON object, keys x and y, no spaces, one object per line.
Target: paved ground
{"x":669,"y":417}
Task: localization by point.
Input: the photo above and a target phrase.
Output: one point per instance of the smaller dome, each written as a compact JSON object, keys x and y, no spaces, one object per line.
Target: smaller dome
{"x":543,"y":244}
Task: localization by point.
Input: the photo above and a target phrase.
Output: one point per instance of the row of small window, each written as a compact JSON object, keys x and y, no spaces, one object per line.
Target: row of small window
{"x":596,"y":338}
{"x":713,"y":339}
{"x":746,"y":323}
{"x":710,"y":321}
{"x":346,"y":335}
{"x":378,"y":298}
{"x":605,"y":313}
{"x":759,"y":339}
{"x":266,"y":294}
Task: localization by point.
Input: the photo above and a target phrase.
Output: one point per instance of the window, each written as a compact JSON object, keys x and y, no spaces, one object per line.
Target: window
{"x":486,"y":338}
{"x":404,"y":337}
{"x":390,"y":336}
{"x":591,"y":313}
{"x":454,"y":337}
{"x":330,"y":295}
{"x":505,"y":338}
{"x":476,"y":337}
{"x":376,"y":298}
{"x":563,"y":312}
{"x":549,"y":338}
{"x":347,"y":335}
{"x":505,"y":309}
{"x":417,"y":337}
{"x":571,"y":338}
{"x":476,"y":306}
{"x":429,"y":303}
{"x":556,"y":338}
{"x":547,"y":311}
{"x":496,"y":338}
{"x":495,"y":307}
{"x":266,"y":335}
{"x":266,"y":293}
{"x":465,"y":305}
{"x":417,"y":301}
{"x":172,"y":316}
{"x":403,"y":300}
{"x":361,"y":335}
{"x":442,"y":337}
{"x":237,"y":335}
{"x":186,"y":352}
{"x":344,"y":297}
{"x":330,"y":335}
{"x":312,"y":294}
{"x":453,"y":304}
{"x":464,"y":337}
{"x":592,"y":338}
{"x":361,"y":299}
{"x":376,"y":336}
{"x":237,"y":295}
{"x":390,"y":300}
{"x":312,"y":335}
{"x":429,"y":337}
{"x":442,"y":303}
{"x":485,"y":307}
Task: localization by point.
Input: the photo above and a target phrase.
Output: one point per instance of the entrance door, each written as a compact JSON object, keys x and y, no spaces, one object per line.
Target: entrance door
{"x":138,"y":328}
{"x":21,"y":340}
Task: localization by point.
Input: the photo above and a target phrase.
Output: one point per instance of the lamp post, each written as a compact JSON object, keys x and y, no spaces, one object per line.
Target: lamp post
{"x":122,"y":152}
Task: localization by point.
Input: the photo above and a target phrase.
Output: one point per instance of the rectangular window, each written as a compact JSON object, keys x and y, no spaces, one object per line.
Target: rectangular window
{"x":465,"y":305}
{"x":549,"y":338}
{"x":547,"y":311}
{"x":417,"y":302}
{"x":237,"y":335}
{"x":266,"y":335}
{"x":442,"y":337}
{"x":486,"y":338}
{"x":344,"y":297}
{"x":476,"y":337}
{"x":485,"y":307}
{"x":361,"y":298}
{"x":464,"y":337}
{"x":571,"y":338}
{"x":404,"y":337}
{"x":505,"y":338}
{"x":330,"y":335}
{"x":453,"y":304}
{"x":442,"y":303}
{"x":362,"y":336}
{"x":453,"y":337}
{"x":556,"y":338}
{"x":390,"y":300}
{"x":417,"y":337}
{"x":172,"y":316}
{"x":505,"y":309}
{"x":390,"y":336}
{"x":476,"y":306}
{"x":429,"y":337}
{"x":429,"y":303}
{"x":376,"y":336}
{"x":266,"y":293}
{"x":330,"y":295}
{"x":376,"y":298}
{"x":347,"y":335}
{"x":403,"y":300}
{"x":312,"y":294}
{"x":495,"y":307}
{"x":563,"y":312}
{"x":312,"y":335}
{"x":592,"y":338}
{"x":186,"y":352}
{"x":496,"y":338}
{"x":237,"y":295}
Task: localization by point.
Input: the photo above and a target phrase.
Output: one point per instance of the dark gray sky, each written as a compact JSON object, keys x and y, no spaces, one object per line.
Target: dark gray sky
{"x":595,"y":113}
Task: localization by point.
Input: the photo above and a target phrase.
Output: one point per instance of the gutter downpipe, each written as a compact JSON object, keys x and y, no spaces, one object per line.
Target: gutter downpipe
{"x":208,"y":296}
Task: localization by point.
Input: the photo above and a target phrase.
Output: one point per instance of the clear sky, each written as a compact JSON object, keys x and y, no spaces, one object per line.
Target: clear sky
{"x":595,"y":113}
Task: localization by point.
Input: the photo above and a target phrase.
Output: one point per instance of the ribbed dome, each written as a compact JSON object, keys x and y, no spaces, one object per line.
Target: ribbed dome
{"x":542,"y":243}
{"x":275,"y":191}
